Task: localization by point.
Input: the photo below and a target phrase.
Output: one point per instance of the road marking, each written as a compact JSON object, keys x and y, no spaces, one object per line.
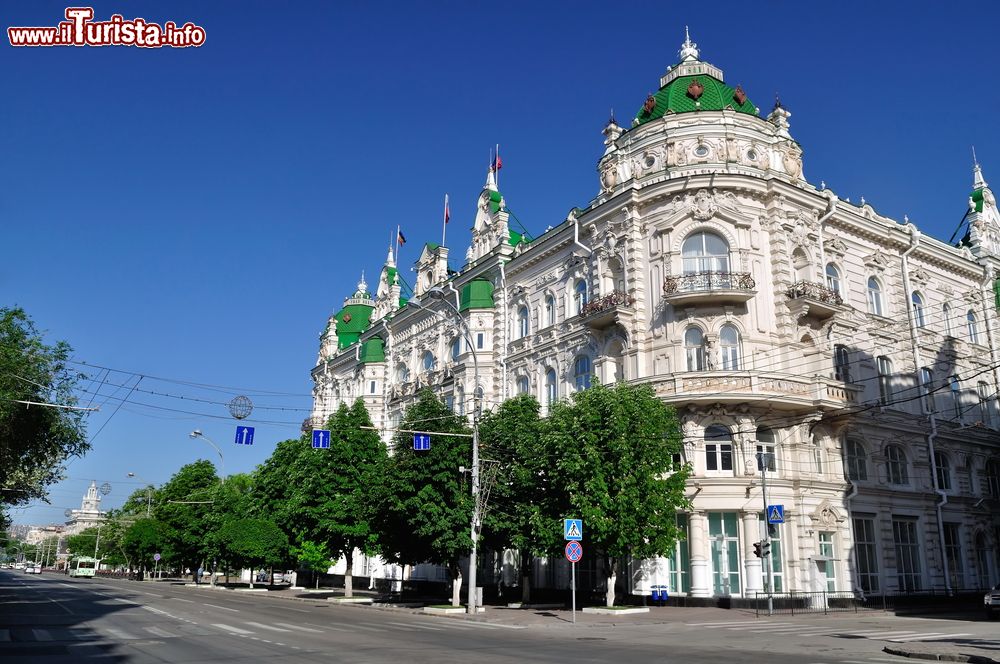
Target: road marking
{"x":119,"y":634}
{"x":882,"y":635}
{"x":930,"y":637}
{"x":435,"y":629}
{"x":728,"y":624}
{"x":479,"y":625}
{"x":289,"y":608}
{"x":156,"y":631}
{"x":374,"y":628}
{"x":216,"y":606}
{"x":762,"y":627}
{"x":263,"y":626}
{"x":234,"y":630}
{"x":335,"y":629}
{"x":300,"y":628}
{"x":180,"y":599}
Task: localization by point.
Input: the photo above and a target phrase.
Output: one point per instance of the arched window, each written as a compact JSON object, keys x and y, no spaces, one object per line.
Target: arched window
{"x":402,"y":373}
{"x":841,"y":363}
{"x":522,"y":385}
{"x":705,"y":252}
{"x":551,"y":388}
{"x":766,"y":456}
{"x":857,"y":461}
{"x":522,"y":322}
{"x":833,"y":278}
{"x":946,"y":315}
{"x":800,"y":263}
{"x":580,"y":295}
{"x":718,"y":449}
{"x":729,"y":344}
{"x":973,"y":328}
{"x":581,"y":372}
{"x":918,"y":309}
{"x":943,"y":471}
{"x":694,"y":347}
{"x":427,"y":360}
{"x":875,"y":297}
{"x":456,"y":348}
{"x":895,"y":465}
{"x":550,"y":310}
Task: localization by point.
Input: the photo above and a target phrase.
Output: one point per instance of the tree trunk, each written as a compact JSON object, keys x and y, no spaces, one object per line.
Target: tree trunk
{"x":610,"y":578}
{"x":316,"y":576}
{"x":349,"y":575}
{"x":251,"y":578}
{"x":526,"y":560}
{"x":456,"y":585}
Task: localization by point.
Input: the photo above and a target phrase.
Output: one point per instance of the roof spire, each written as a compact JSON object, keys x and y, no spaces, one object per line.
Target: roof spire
{"x":978,"y":182}
{"x":689,"y":50}
{"x":491,"y":181}
{"x":362,"y":285}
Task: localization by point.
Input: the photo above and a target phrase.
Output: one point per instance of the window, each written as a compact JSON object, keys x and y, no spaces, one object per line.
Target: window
{"x":946,"y":315}
{"x":895,"y":465}
{"x":402,"y":373}
{"x":866,"y":555}
{"x":723,"y":534}
{"x":427,"y":360}
{"x":371,"y":387}
{"x":982,"y":561}
{"x":857,"y":461}
{"x":550,"y":310}
{"x":449,"y":402}
{"x":551,"y":389}
{"x":480,"y":340}
{"x":953,"y":551}
{"x":522,"y":322}
{"x":729,"y":342}
{"x":705,"y":252}
{"x":456,"y":348}
{"x":904,"y":536}
{"x":680,"y":559}
{"x":765,"y":450}
{"x":884,"y":379}
{"x":460,"y":401}
{"x":918,"y":309}
{"x":841,"y":363}
{"x":580,"y":295}
{"x":694,"y":347}
{"x":774,"y":534}
{"x":985,"y":410}
{"x":826,"y":551}
{"x":875,"y":297}
{"x":833,"y":278}
{"x":943,"y":471}
{"x":993,"y":478}
{"x":973,"y":328}
{"x":956,"y":396}
{"x":581,"y":372}
{"x":926,"y":381}
{"x":522,"y":385}
{"x":718,"y":449}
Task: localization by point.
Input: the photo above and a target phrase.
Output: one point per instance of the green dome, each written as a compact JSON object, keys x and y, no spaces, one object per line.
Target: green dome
{"x":700,"y":92}
{"x":477,"y":294}
{"x":372,"y":350}
{"x":352,"y":320}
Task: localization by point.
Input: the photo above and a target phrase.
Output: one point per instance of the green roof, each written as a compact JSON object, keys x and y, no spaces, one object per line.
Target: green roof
{"x":391,"y":274}
{"x":431,"y":245}
{"x":675,"y":98}
{"x":977,"y":199}
{"x":495,"y":199}
{"x":352,"y":320}
{"x":477,"y":294}
{"x":518,"y":238}
{"x":373,"y":350}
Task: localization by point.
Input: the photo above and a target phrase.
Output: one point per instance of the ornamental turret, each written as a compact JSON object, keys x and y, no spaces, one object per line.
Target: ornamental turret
{"x":389,"y":292}
{"x":490,"y":229}
{"x":984,"y":217}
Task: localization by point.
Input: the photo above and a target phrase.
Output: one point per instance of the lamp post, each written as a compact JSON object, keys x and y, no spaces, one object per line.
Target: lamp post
{"x":439,"y":293}
{"x":222,"y":463}
{"x":149,"y":492}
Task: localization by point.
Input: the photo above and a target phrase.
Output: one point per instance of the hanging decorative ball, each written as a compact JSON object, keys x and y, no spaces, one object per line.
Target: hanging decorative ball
{"x":105,"y":489}
{"x":739,"y":95}
{"x":240,"y":407}
{"x":649,"y":105}
{"x":347,"y":318}
{"x":695,"y":89}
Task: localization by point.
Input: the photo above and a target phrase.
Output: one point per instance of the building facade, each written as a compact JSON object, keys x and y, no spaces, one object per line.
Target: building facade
{"x":840,"y":356}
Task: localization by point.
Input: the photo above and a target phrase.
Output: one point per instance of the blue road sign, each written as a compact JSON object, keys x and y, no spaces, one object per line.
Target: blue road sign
{"x":321,"y":439}
{"x":421,"y":442}
{"x":573,"y":529}
{"x":574,"y":551}
{"x":775,"y":513}
{"x":244,"y":435}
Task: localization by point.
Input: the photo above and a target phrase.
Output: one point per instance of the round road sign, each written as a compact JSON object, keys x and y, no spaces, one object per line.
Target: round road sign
{"x":156,"y":557}
{"x":574,"y":551}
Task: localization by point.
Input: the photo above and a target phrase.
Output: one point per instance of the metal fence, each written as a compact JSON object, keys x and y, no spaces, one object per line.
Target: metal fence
{"x":924,"y":601}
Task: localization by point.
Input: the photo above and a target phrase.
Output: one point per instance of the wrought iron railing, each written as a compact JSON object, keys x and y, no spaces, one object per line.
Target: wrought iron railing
{"x":609,"y":301}
{"x":708,"y":281}
{"x":814,"y":291}
{"x":920,"y":601}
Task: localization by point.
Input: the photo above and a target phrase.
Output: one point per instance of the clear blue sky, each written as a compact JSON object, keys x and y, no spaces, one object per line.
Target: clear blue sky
{"x":195,"y":215}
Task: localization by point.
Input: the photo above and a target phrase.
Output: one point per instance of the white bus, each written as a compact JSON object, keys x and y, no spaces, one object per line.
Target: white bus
{"x":82,"y":566}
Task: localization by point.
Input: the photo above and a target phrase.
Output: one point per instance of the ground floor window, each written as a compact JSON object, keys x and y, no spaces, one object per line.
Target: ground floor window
{"x":723,"y":531}
{"x":777,"y":577}
{"x":679,"y":581}
{"x":904,"y":537}
{"x":826,"y":550}
{"x":953,"y":551}
{"x":865,"y":554}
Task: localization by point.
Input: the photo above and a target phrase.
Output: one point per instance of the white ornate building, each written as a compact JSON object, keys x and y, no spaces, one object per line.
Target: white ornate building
{"x":773,"y":315}
{"x":89,"y":515}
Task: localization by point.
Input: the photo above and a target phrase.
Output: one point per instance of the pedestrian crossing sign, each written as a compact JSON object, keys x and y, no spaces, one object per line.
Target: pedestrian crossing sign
{"x":775,"y":513}
{"x":573,"y":529}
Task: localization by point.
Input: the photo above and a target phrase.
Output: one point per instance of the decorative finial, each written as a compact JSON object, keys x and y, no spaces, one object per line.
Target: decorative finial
{"x":611,"y":120}
{"x":362,"y":285}
{"x":689,"y":50}
{"x":822,"y":185}
{"x":862,"y":200}
{"x":906,"y":219}
{"x":975,"y":162}
{"x":777,"y":100}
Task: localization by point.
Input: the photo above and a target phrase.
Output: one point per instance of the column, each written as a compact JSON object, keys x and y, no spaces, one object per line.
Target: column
{"x":753,"y":570}
{"x":701,"y":578}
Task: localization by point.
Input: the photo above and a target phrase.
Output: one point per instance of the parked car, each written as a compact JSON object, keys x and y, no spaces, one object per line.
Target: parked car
{"x":991,"y":602}
{"x":33,"y":568}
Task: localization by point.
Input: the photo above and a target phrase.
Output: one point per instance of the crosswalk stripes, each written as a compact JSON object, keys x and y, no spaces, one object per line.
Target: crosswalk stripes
{"x":230,"y":628}
{"x":120,"y":634}
{"x":930,"y":637}
{"x":162,"y":633}
{"x":268,"y":627}
{"x":416,"y":626}
{"x":300,"y":628}
{"x":895,"y":636}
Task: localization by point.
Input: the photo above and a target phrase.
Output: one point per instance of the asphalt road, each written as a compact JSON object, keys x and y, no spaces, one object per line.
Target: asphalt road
{"x":51,"y":619}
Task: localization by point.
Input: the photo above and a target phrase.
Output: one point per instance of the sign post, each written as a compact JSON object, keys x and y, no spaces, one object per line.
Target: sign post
{"x":573,"y":533}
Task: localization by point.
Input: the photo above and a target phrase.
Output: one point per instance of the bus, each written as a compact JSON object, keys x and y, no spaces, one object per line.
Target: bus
{"x":82,"y":566}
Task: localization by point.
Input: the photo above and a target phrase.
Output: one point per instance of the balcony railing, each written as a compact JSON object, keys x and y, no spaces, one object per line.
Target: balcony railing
{"x":608,"y":302}
{"x":708,"y":281}
{"x":814,"y":291}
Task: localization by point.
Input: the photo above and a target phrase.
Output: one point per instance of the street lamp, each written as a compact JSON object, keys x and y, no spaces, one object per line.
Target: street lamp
{"x":438,"y":293}
{"x":222,"y":463}
{"x":149,"y":492}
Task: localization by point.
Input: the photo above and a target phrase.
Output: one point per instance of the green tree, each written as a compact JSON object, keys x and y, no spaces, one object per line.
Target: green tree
{"x":35,"y":440}
{"x":275,"y":486}
{"x":185,"y":506}
{"x":313,"y":557}
{"x":519,"y":514}
{"x":613,"y":451}
{"x":252,"y":543}
{"x":426,"y":508}
{"x":143,"y":539}
{"x":233,"y":500}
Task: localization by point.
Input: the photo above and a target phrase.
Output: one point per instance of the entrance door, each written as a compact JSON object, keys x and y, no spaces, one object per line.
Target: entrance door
{"x":724,"y":534}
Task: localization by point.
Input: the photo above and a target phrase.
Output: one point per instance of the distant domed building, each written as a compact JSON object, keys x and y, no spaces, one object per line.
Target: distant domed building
{"x":841,"y":356}
{"x":89,"y":515}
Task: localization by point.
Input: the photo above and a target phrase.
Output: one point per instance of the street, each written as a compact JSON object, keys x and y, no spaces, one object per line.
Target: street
{"x":52,"y":618}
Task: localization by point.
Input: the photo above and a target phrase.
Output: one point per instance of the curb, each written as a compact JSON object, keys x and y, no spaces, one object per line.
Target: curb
{"x":939,"y":657}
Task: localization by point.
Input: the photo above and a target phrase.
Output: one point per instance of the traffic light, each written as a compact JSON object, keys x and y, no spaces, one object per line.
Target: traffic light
{"x":757,"y":549}
{"x":766,"y":549}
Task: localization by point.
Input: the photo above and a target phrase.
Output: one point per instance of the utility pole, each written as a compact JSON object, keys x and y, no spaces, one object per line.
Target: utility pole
{"x":764,"y":458}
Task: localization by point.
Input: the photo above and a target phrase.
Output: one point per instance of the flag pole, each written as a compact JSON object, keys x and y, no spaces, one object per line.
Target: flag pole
{"x":496,"y":175}
{"x":444,"y":225}
{"x":398,"y":247}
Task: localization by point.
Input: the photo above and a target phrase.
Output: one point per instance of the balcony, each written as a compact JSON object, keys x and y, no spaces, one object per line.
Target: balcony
{"x":615,"y":307}
{"x":709,"y":288}
{"x":780,"y":391}
{"x":806,"y":298}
